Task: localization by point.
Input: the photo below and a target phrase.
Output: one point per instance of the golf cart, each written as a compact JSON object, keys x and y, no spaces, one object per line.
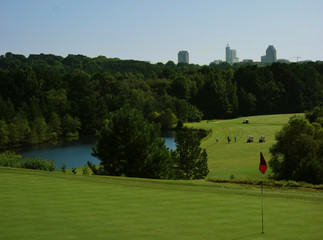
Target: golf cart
{"x":246,"y":121}
{"x":262,"y":139}
{"x":250,"y":139}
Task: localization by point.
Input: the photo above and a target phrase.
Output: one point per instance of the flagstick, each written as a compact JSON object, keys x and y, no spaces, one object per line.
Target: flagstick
{"x":262,"y":209}
{"x":262,"y":169}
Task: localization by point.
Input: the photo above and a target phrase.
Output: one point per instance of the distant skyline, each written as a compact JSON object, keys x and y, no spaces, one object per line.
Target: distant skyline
{"x":156,"y":30}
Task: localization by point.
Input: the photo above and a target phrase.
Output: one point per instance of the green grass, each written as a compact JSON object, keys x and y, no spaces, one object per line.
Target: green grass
{"x":45,"y":205}
{"x":240,"y":159}
{"x":53,"y":205}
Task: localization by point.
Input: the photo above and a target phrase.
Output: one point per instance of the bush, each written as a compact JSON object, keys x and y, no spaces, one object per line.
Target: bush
{"x":63,"y":167}
{"x":12,"y":159}
{"x":292,"y":184}
{"x":39,"y":164}
{"x":85,"y":170}
{"x":72,"y":135}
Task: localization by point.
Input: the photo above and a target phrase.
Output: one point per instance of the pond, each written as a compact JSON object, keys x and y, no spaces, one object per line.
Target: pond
{"x":76,"y":153}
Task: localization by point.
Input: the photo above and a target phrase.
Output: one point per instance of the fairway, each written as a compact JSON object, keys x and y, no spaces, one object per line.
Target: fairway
{"x":46,"y":205}
{"x":240,"y":159}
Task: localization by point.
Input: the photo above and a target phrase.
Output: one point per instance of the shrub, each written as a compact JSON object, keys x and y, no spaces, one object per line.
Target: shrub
{"x":85,"y":170}
{"x":63,"y":167}
{"x":39,"y":164}
{"x":10,"y":159}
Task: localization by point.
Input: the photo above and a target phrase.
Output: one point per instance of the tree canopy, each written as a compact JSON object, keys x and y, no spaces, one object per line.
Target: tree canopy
{"x":129,"y":145}
{"x":190,"y":160}
{"x":298,"y":153}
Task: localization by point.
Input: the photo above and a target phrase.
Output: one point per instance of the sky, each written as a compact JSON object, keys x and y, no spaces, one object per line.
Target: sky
{"x":156,"y":30}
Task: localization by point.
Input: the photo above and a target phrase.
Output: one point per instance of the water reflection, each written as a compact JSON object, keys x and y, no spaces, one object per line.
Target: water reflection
{"x":75,"y":153}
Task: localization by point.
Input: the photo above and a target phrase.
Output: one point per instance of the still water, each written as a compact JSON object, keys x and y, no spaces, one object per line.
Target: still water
{"x":76,"y":153}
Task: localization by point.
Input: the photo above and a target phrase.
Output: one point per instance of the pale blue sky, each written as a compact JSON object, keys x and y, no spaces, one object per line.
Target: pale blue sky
{"x":155,"y":30}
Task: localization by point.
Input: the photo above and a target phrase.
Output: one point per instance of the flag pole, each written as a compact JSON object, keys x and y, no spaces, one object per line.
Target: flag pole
{"x":262,"y":169}
{"x":262,"y":207}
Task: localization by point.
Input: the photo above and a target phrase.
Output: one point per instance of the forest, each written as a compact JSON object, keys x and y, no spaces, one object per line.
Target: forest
{"x":44,"y":97}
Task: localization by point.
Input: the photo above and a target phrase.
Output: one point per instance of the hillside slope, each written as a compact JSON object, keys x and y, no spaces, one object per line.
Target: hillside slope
{"x":240,"y":159}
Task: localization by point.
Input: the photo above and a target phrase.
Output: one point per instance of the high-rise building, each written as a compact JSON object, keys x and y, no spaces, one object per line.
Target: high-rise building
{"x":270,"y":56}
{"x":183,"y":57}
{"x":228,"y":53}
{"x":231,"y":55}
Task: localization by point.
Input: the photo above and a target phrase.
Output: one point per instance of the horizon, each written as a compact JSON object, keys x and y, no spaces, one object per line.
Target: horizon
{"x":222,"y":60}
{"x":155,"y":31}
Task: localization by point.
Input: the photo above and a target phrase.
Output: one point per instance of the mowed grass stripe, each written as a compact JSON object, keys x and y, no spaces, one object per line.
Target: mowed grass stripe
{"x":176,"y":185}
{"x":40,"y":205}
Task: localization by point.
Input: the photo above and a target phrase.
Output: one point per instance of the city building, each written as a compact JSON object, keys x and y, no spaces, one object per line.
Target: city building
{"x":231,"y":55}
{"x":228,"y":53}
{"x":183,"y":57}
{"x":247,"y":61}
{"x":216,"y":62}
{"x":283,"y":61}
{"x":270,"y":56}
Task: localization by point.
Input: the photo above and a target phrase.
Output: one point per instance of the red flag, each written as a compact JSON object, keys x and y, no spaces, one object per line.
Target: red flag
{"x":263,"y":164}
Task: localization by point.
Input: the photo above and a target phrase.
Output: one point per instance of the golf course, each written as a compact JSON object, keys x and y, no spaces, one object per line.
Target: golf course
{"x":55,"y":205}
{"x":239,"y":158}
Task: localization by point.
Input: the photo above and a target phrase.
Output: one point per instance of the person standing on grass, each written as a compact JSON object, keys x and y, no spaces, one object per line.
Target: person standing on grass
{"x":235,"y":139}
{"x":229,"y":139}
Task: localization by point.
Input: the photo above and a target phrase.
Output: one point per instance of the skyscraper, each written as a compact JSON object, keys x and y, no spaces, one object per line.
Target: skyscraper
{"x":183,"y":57}
{"x":270,"y":56}
{"x":231,"y":55}
{"x":228,"y":53}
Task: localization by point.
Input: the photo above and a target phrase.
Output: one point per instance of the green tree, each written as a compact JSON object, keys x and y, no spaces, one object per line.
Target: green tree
{"x":39,"y":131}
{"x":181,"y":87}
{"x":297,"y":154}
{"x":7,"y":109}
{"x":247,"y":102}
{"x":131,"y":146}
{"x":190,"y":160}
{"x":19,"y":130}
{"x":4,"y":134}
{"x":56,"y":101}
{"x":168,"y":119}
{"x":55,"y":125}
{"x":186,"y":112}
{"x":70,"y":125}
{"x":316,"y":115}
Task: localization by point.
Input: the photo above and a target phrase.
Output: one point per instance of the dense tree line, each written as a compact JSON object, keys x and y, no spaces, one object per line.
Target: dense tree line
{"x":298,"y":153}
{"x":43,"y":97}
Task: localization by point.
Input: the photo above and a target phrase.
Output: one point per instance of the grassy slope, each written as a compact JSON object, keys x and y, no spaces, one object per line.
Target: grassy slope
{"x":43,"y":205}
{"x":240,"y":159}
